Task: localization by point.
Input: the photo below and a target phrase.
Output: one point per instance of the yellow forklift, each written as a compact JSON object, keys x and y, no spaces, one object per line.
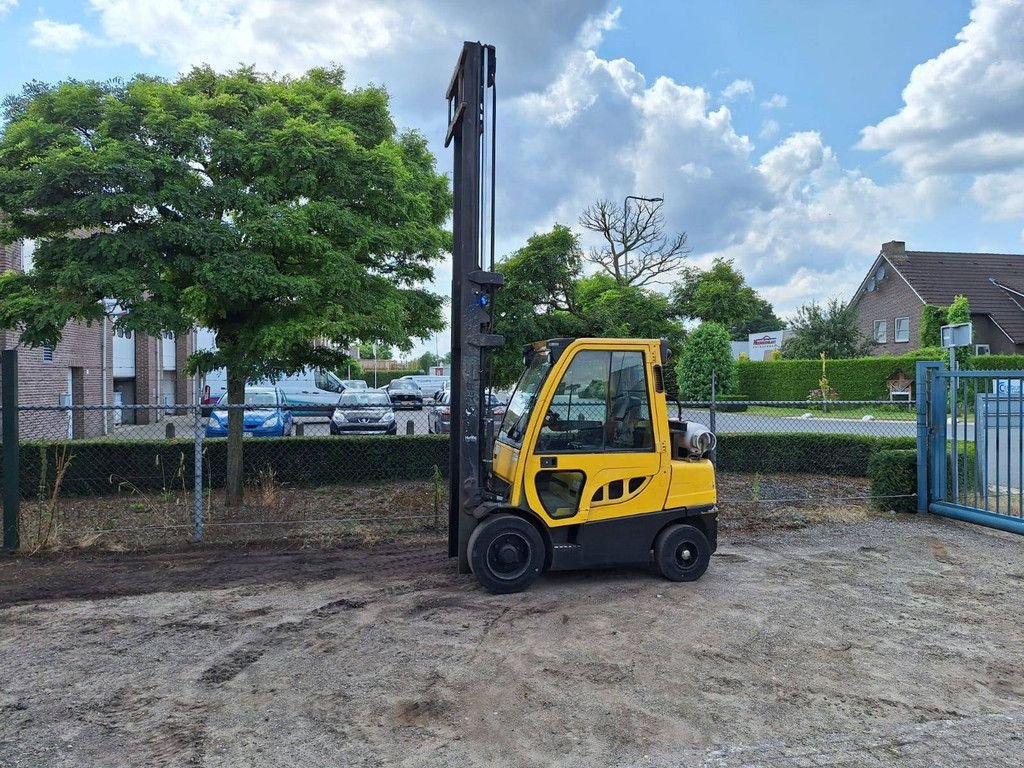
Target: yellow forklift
{"x":587,"y":469}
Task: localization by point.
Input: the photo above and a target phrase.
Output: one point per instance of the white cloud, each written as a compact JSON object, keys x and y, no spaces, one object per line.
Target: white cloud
{"x":1001,"y":193}
{"x":53,"y":35}
{"x":777,"y":101}
{"x":963,"y":110}
{"x":737,"y":88}
{"x":6,"y":5}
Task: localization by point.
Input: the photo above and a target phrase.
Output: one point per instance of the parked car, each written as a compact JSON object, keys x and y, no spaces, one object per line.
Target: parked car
{"x":428,"y":384}
{"x":404,"y":393}
{"x":263,"y":416}
{"x":308,"y":387}
{"x":439,"y":418}
{"x":364,"y":412}
{"x":354,"y":384}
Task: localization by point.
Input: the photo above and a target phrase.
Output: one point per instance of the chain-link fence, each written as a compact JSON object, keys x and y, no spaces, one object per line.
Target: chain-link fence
{"x":131,"y":476}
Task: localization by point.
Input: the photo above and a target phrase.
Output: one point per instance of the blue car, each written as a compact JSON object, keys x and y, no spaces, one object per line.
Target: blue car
{"x":263,"y":415}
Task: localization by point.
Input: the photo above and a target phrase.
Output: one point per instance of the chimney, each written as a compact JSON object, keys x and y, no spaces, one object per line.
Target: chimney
{"x":895,"y":250}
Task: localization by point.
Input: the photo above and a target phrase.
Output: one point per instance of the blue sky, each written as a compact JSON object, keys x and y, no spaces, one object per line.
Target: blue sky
{"x":791,"y":136}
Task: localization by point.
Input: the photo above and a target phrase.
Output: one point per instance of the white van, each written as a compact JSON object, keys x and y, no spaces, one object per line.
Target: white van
{"x":309,"y":386}
{"x":429,"y":385}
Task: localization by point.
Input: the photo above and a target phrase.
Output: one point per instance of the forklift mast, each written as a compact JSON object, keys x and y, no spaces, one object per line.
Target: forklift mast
{"x":471,"y":128}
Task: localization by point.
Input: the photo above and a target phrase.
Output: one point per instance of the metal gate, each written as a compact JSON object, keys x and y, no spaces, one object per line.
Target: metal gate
{"x":970,"y":445}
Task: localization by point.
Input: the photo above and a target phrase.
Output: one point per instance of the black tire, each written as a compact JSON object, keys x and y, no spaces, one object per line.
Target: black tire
{"x":682,"y":553}
{"x":506,"y":553}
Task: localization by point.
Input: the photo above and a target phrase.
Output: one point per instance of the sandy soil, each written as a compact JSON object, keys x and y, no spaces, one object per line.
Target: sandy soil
{"x":228,"y":657}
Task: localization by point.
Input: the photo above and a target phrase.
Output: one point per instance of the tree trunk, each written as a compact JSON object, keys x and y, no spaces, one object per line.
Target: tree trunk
{"x":233,"y":484}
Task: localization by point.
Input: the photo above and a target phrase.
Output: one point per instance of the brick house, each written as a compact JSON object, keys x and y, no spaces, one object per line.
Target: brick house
{"x":95,"y":365}
{"x":893,"y":293}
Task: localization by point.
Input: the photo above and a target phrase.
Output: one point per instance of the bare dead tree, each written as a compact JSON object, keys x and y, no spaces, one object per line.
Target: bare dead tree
{"x":636,"y":251}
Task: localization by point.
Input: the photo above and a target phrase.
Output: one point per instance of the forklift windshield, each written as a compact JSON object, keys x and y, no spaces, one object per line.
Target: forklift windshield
{"x":520,"y":405}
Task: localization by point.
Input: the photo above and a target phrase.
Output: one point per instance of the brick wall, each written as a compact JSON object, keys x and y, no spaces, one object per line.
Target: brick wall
{"x":891,"y":299}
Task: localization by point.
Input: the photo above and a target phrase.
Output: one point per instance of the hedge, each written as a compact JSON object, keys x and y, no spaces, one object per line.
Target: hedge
{"x":893,"y":475}
{"x":731,"y":403}
{"x":858,"y":379}
{"x":800,"y":452}
{"x":106,"y":466}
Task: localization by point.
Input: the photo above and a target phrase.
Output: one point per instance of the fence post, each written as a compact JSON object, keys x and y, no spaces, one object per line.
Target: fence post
{"x":197,"y":489}
{"x":711,"y":414}
{"x":10,"y":470}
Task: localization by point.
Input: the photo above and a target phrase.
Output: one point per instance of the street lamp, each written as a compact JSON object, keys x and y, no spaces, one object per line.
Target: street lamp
{"x":625,"y":217}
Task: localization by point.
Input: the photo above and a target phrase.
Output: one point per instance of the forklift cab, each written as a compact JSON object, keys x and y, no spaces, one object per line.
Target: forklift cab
{"x":588,"y":471}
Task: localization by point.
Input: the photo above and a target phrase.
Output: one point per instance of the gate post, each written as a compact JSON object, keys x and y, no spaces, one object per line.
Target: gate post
{"x":925,"y":392}
{"x":10,"y":470}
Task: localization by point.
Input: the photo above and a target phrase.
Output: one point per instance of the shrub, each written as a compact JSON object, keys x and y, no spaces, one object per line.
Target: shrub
{"x":893,"y":475}
{"x":107,"y":466}
{"x":706,"y":350}
{"x":845,"y":455}
{"x":384,"y":377}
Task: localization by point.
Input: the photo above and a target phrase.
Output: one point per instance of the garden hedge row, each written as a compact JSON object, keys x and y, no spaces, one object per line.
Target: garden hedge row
{"x":893,"y":475}
{"x":103,"y":466}
{"x":858,"y":379}
{"x":844,"y":455}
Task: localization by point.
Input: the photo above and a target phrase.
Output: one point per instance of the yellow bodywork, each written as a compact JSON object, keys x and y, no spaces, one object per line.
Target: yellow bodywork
{"x":582,"y":487}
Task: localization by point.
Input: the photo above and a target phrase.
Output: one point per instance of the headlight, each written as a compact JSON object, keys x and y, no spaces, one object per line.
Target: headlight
{"x":388,"y":417}
{"x":270,"y":421}
{"x":217,"y":418}
{"x":338,"y":417}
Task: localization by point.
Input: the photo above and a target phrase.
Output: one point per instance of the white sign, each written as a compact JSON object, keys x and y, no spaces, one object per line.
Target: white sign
{"x":959,"y":335}
{"x":761,"y":345}
{"x":1006,"y":387}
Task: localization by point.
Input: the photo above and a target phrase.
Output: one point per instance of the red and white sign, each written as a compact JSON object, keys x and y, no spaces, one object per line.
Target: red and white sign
{"x":761,"y":345}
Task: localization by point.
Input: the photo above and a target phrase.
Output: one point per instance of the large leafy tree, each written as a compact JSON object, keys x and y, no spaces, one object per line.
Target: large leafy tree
{"x":721,"y":295}
{"x":547,"y":296}
{"x":831,"y":329}
{"x":706,"y":359}
{"x":286,"y":214}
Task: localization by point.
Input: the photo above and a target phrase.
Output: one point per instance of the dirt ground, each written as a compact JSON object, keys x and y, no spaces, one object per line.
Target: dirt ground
{"x":386,"y":656}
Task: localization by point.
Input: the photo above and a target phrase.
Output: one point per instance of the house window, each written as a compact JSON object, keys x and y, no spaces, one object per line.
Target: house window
{"x":982,"y":349}
{"x":902,"y":329}
{"x":881,"y":331}
{"x":47,"y":354}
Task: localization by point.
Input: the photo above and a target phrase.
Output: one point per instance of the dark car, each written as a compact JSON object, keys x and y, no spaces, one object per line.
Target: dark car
{"x":364,"y":412}
{"x":439,"y":419}
{"x":405,"y":394}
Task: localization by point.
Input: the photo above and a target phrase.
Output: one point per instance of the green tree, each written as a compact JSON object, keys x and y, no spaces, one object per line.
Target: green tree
{"x":831,"y":329}
{"x":960,"y":312}
{"x":546,"y":296}
{"x":279,"y":212}
{"x":427,"y":361}
{"x":707,"y":351}
{"x":721,"y":295}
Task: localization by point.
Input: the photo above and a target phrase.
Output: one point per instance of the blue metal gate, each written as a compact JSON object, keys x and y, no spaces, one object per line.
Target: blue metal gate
{"x":970,"y":445}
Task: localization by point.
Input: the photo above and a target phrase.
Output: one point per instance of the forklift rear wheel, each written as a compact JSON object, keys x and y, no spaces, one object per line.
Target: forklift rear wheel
{"x":505,"y":553}
{"x":682,"y":553}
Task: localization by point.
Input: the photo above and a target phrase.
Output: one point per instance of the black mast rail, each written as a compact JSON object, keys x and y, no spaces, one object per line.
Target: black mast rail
{"x":473,"y":286}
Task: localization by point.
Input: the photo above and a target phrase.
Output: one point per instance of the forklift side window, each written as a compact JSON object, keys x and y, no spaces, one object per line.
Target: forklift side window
{"x":576,"y":418}
{"x":520,"y":405}
{"x":601,"y":404}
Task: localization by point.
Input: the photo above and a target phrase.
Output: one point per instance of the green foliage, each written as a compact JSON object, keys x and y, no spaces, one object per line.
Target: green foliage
{"x":843,"y":455}
{"x":998,"y":363}
{"x":546,"y":296}
{"x":731,"y":403}
{"x":893,"y":475}
{"x":932,"y":320}
{"x":721,"y":295}
{"x":276,"y":211}
{"x":706,"y":350}
{"x":859,"y":379}
{"x":427,"y":361}
{"x":960,"y":312}
{"x":107,"y":466}
{"x":831,"y":329}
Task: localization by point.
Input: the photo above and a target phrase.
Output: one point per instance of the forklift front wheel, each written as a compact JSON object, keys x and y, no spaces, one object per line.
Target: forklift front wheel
{"x":505,"y":553}
{"x":682,"y":553}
